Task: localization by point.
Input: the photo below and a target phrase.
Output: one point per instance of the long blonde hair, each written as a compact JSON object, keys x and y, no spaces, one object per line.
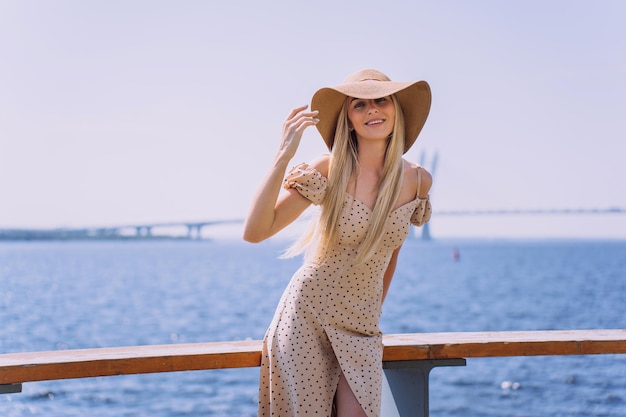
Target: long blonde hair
{"x":343,"y":167}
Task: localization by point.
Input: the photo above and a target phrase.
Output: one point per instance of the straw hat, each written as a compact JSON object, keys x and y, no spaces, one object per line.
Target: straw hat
{"x":413,"y":97}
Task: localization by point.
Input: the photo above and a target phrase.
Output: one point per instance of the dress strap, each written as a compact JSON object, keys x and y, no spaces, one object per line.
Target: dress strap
{"x":419,"y":180}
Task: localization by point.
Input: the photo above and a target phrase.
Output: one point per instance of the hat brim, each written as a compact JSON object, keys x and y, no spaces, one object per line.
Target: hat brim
{"x":413,"y":97}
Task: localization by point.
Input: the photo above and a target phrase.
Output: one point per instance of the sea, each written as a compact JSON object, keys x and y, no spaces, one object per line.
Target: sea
{"x":86,"y":294}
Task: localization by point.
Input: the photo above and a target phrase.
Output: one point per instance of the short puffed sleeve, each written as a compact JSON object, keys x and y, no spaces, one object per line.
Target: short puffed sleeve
{"x":308,"y":181}
{"x":422,"y":212}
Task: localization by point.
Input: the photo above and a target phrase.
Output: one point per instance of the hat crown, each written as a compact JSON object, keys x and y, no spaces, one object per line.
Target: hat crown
{"x":366,"y":75}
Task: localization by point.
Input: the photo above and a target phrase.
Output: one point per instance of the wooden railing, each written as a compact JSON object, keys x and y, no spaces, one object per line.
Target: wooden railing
{"x":405,"y":357}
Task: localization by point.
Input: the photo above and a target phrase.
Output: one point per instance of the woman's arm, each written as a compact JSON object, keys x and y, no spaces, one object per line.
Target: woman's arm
{"x":268,"y":213}
{"x":391,"y":268}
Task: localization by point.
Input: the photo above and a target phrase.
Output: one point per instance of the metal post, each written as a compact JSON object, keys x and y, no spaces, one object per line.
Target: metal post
{"x":10,"y":388}
{"x":408,"y":384}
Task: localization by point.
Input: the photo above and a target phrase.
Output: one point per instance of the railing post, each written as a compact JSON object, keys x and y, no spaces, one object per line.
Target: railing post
{"x":408,"y":384}
{"x":10,"y":388}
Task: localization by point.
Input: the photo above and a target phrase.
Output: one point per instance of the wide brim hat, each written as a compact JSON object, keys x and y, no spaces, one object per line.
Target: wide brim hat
{"x":414,"y":99}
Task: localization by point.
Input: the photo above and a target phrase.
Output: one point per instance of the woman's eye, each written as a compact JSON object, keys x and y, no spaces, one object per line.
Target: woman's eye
{"x":359,"y":104}
{"x":381,"y":100}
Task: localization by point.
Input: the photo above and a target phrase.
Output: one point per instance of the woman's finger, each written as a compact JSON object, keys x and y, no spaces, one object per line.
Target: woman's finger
{"x":304,"y":122}
{"x":296,"y":111}
{"x":296,"y":121}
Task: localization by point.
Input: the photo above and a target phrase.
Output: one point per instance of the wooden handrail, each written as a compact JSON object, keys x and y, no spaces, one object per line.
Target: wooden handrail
{"x":17,"y":368}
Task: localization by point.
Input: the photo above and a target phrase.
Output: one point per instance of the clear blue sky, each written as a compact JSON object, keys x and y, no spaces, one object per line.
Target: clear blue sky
{"x":116,"y":112}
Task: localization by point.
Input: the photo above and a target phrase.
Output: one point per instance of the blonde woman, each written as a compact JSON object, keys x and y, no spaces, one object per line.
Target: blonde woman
{"x":322,"y":353}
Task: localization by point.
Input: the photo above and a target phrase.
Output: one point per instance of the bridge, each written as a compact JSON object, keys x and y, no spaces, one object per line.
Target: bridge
{"x":500,"y":212}
{"x":610,"y":210}
{"x":194,"y":229}
{"x":128,"y":231}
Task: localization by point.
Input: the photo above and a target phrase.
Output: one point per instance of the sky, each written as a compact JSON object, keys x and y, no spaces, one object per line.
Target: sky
{"x":123,"y":112}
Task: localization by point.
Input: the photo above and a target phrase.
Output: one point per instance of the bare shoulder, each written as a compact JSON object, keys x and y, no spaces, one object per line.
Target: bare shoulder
{"x":321,"y":164}
{"x":414,"y":173}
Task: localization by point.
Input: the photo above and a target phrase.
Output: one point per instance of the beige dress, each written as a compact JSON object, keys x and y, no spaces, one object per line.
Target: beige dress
{"x":327,"y":319}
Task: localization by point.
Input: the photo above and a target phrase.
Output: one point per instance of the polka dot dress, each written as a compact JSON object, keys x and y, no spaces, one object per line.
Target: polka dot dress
{"x":327,"y":319}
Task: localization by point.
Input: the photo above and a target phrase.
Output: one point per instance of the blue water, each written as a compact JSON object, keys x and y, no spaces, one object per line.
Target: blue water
{"x":69,"y":295}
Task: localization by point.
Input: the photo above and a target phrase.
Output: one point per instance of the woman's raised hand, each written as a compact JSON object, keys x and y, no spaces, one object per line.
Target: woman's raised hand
{"x":293,"y":127}
{"x":268,"y":214}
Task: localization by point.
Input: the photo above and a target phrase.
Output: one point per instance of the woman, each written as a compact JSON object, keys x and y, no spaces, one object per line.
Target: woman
{"x":323,"y":350}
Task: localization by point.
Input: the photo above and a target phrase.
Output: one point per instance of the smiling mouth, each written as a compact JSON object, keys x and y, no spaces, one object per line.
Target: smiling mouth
{"x":375,"y":122}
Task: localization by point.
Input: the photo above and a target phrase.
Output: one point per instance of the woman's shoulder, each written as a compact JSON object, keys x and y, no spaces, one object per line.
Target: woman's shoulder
{"x":313,"y":172}
{"x":321,"y":164}
{"x":419,"y":176}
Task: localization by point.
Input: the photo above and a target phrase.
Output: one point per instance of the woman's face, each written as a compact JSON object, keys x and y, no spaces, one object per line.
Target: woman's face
{"x":372,"y":119}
